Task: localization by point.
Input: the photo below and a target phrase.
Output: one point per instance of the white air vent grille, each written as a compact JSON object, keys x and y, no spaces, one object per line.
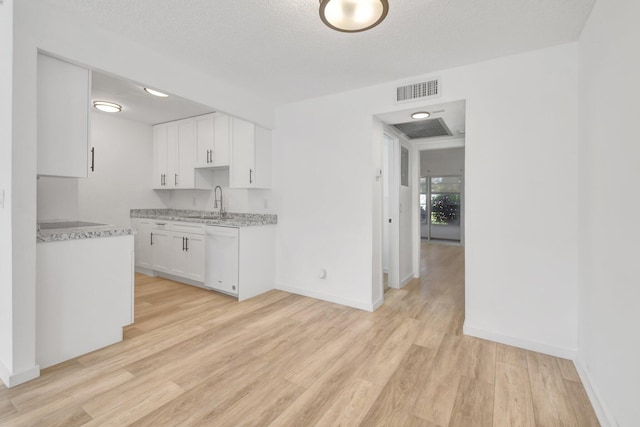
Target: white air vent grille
{"x":418,"y":90}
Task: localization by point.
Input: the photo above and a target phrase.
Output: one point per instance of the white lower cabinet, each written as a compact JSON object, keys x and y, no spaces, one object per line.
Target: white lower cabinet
{"x":236,"y":261}
{"x":84,"y":296}
{"x":144,"y":256}
{"x":160,"y":248}
{"x":187,"y":251}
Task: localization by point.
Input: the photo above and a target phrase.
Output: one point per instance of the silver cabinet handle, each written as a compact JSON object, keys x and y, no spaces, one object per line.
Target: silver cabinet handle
{"x":175,"y":179}
{"x":93,"y":159}
{"x":250,"y":176}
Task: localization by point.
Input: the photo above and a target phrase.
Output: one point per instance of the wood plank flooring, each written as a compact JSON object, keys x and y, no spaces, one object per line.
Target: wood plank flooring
{"x":196,"y":358}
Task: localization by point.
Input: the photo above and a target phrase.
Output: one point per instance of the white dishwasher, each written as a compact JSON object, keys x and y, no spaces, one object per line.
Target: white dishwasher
{"x":221,"y":255}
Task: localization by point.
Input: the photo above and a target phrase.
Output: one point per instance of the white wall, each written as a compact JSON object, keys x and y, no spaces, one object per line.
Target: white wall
{"x":123,"y":174}
{"x":40,"y":26}
{"x":57,"y":198}
{"x":609,"y":342}
{"x":521,"y":267}
{"x":235,"y":199}
{"x":6,"y":288}
{"x":405,"y":220}
{"x":442,"y":162}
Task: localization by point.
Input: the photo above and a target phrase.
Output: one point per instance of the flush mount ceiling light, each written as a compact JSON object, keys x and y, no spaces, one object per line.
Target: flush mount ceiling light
{"x":420,"y":115}
{"x":155,"y":92}
{"x":352,"y":16}
{"x":107,"y":107}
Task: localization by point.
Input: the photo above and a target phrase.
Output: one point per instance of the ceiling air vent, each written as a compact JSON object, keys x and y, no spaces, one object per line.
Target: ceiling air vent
{"x":422,"y":90}
{"x":424,"y":128}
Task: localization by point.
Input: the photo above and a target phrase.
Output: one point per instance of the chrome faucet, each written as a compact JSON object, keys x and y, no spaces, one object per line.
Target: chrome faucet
{"x":215,"y":201}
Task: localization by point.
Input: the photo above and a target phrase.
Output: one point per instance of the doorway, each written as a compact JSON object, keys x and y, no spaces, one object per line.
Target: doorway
{"x":441,"y":194}
{"x":441,"y":208}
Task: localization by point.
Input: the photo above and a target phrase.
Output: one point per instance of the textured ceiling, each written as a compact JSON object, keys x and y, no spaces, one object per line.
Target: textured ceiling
{"x":281,"y":50}
{"x":138,"y":105}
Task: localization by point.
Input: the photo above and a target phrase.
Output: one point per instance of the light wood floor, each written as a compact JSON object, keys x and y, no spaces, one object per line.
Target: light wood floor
{"x":198,"y":358}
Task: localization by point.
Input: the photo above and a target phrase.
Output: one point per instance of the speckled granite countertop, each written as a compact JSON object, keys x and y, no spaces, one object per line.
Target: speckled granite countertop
{"x":62,"y":234}
{"x":206,"y":217}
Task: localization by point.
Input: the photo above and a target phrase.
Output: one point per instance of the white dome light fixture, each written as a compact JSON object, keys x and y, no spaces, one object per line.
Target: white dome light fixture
{"x":155,"y":92}
{"x":420,"y":115}
{"x":107,"y":107}
{"x":352,"y":16}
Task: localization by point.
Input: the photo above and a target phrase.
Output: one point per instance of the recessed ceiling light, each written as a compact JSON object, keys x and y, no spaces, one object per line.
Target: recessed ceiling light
{"x":155,"y":92}
{"x":107,"y":107}
{"x":351,"y":16}
{"x":420,"y":115}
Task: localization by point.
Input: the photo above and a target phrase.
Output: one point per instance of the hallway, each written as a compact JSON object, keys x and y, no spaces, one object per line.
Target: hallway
{"x":194,"y":357}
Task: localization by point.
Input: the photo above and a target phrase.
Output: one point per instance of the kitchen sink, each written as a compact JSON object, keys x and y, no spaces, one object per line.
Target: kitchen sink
{"x":207,"y":217}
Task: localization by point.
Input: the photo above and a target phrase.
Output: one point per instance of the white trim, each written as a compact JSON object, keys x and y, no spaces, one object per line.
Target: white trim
{"x":602,"y":411}
{"x":406,"y":280}
{"x":437,"y":144}
{"x":378,"y":304}
{"x":12,"y":380}
{"x":361,"y":305}
{"x":552,"y":350}
{"x":145,"y":271}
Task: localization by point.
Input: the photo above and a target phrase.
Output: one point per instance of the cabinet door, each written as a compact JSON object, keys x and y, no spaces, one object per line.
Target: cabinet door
{"x":242,"y":167}
{"x":144,"y":256}
{"x":204,"y":140}
{"x":172,"y":156}
{"x":63,"y":94}
{"x":262,"y":155}
{"x":195,"y":257}
{"x":179,"y":255}
{"x":221,"y":141}
{"x":186,"y":157}
{"x":161,"y":249}
{"x":160,"y":156}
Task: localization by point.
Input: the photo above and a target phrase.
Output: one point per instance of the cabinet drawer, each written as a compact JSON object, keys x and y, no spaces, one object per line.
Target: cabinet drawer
{"x":186,"y":227}
{"x":160,"y":225}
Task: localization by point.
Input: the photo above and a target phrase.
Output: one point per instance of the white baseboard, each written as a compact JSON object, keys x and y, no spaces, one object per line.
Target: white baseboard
{"x":602,"y":411}
{"x":378,"y":304}
{"x":406,"y":280}
{"x":12,"y":380}
{"x":564,"y":353}
{"x":145,"y":271}
{"x":328,"y":297}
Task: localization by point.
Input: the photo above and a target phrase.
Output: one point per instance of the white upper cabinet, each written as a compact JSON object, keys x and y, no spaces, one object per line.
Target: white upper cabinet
{"x":174,"y":152}
{"x":250,"y":163}
{"x":64,"y":92}
{"x":212,"y":140}
{"x":184,"y":174}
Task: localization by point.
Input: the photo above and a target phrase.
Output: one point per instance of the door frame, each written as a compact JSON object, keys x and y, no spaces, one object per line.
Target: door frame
{"x":416,"y":148}
{"x":391,"y":171}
